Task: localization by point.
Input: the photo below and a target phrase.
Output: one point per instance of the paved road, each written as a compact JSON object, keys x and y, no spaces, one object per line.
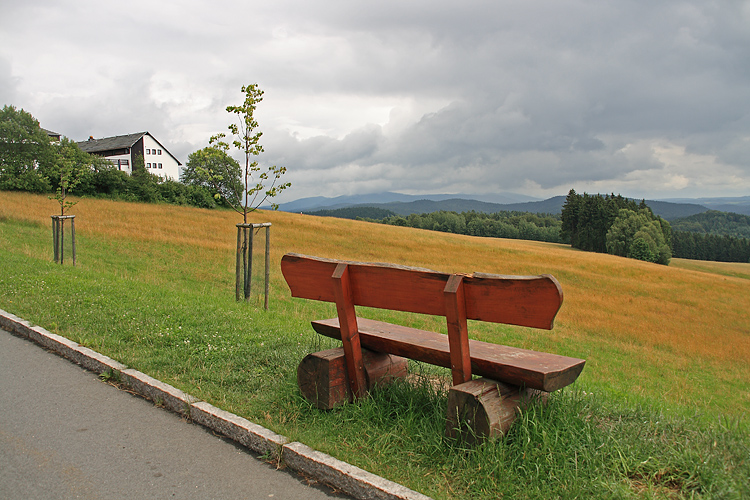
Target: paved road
{"x":65,"y":434}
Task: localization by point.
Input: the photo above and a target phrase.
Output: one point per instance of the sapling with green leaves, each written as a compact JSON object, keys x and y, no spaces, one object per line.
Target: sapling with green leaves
{"x":69,"y":167}
{"x":243,"y":188}
{"x":69,"y":173}
{"x":253,"y":177}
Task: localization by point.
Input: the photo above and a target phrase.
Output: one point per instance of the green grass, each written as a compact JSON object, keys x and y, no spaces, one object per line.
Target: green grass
{"x":168,"y":310}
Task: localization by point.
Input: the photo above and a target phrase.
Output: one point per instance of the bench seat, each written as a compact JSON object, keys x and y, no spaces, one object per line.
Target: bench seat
{"x":535,"y":370}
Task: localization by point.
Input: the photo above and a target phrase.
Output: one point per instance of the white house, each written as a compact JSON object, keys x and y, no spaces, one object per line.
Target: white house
{"x":121,"y":150}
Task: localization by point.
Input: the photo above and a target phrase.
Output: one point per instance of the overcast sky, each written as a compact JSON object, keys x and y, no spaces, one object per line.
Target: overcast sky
{"x":645,"y":98}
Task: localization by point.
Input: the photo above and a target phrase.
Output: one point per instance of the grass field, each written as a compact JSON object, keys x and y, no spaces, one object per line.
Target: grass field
{"x":658,"y":411}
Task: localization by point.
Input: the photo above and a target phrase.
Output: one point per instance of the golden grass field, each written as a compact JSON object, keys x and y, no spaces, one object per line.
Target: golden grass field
{"x":678,"y":334}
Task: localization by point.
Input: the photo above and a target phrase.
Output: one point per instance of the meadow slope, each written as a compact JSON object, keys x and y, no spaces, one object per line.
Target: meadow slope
{"x":681,"y":333}
{"x":154,"y":288}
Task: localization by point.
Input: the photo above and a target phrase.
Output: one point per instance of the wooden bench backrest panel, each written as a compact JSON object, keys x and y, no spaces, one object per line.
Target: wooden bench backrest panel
{"x":531,"y":301}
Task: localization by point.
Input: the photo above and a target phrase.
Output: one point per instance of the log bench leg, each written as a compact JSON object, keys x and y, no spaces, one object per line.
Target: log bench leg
{"x":322,"y":376}
{"x":484,"y":408}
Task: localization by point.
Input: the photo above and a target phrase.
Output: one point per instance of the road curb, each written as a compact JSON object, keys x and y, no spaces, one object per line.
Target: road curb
{"x":299,"y":457}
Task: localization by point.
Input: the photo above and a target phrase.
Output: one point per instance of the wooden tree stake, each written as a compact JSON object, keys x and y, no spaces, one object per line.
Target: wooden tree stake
{"x":244,"y":262}
{"x":58,"y":237}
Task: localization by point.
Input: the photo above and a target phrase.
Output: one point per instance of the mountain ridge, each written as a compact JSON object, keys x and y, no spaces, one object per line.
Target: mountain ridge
{"x":404,"y":204}
{"x":322,"y":202}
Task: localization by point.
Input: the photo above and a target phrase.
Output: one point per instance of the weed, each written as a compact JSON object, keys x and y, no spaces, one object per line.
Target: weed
{"x":111,"y":376}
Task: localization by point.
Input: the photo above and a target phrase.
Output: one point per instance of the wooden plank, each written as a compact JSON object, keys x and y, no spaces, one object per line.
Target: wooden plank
{"x":458,"y":332}
{"x":515,"y":300}
{"x":536,"y":370}
{"x":382,"y":286}
{"x":349,"y":332}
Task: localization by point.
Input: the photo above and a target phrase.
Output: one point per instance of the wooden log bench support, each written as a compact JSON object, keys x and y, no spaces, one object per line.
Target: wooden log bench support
{"x":375,"y":352}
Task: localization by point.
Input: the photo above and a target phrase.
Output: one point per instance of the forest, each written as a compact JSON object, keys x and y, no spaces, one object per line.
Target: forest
{"x":616,"y":225}
{"x":719,"y":248}
{"x":715,"y":222}
{"x":514,"y":225}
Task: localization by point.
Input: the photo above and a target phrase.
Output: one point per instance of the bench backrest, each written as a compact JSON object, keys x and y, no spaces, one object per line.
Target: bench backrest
{"x":515,"y":300}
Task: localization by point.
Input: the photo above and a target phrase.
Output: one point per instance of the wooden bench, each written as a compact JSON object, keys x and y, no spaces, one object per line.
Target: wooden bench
{"x":374,"y":352}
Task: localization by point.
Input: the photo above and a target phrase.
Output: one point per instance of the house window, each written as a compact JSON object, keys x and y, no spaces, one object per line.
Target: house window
{"x":159,"y":165}
{"x":148,"y":151}
{"x":148,"y":165}
{"x":158,"y":151}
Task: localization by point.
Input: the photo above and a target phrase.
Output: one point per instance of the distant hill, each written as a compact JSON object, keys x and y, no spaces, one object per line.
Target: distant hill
{"x":672,"y":211}
{"x":737,"y":205}
{"x":403,"y":204}
{"x":324,"y":203}
{"x":668,"y":211}
{"x":551,"y":206}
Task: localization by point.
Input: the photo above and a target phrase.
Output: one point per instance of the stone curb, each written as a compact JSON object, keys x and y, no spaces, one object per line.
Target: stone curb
{"x":242,"y":431}
{"x":324,"y":468}
{"x":355,"y":481}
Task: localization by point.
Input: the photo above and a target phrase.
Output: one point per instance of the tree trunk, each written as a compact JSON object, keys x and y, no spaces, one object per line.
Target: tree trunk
{"x":483,"y":408}
{"x":322,"y":378}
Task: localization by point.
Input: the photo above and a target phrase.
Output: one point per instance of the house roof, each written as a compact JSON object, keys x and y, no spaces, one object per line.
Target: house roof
{"x":109,"y":143}
{"x":118,"y":142}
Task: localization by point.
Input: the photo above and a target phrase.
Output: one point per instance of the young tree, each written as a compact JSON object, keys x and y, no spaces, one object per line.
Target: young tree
{"x":69,"y":168}
{"x":247,"y":141}
{"x":68,"y":171}
{"x":252,"y":181}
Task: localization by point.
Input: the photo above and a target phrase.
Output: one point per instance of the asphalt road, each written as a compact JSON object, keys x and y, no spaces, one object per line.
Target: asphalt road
{"x":64,"y":434}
